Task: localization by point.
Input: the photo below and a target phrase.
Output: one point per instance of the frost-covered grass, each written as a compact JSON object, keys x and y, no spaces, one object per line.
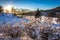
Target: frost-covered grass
{"x":36,"y":29}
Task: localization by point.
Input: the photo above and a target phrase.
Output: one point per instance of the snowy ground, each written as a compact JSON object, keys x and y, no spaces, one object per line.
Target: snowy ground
{"x":32,"y":28}
{"x":10,"y":19}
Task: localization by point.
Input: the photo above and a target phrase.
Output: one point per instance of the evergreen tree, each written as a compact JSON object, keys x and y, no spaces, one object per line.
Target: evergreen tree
{"x":37,"y":13}
{"x":1,"y":8}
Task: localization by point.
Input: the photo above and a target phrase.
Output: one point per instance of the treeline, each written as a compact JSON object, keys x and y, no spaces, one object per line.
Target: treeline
{"x":50,"y":13}
{"x":38,"y":13}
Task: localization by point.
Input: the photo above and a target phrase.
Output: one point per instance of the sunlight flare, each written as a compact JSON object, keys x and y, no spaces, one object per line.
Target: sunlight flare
{"x":8,"y":8}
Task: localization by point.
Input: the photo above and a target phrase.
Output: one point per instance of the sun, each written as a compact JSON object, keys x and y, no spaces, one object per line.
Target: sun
{"x":8,"y":8}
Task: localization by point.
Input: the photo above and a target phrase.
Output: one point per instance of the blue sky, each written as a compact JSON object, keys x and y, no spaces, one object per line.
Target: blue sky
{"x":32,"y":4}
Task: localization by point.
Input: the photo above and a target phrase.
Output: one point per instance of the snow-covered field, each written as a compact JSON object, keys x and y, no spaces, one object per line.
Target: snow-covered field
{"x":30,"y":27}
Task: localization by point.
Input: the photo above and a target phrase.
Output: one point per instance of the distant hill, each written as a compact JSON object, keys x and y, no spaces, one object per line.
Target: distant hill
{"x":57,"y":9}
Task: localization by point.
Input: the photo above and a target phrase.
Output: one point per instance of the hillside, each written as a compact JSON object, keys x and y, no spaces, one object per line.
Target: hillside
{"x":56,"y":9}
